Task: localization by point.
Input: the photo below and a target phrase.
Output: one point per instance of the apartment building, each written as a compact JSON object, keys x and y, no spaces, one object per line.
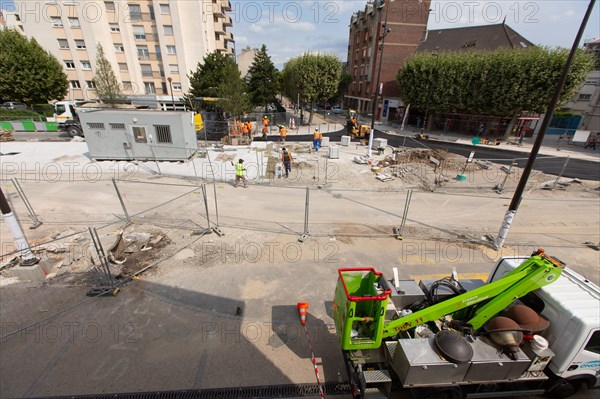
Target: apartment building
{"x":586,"y":102}
{"x":151,"y":44}
{"x":404,"y":24}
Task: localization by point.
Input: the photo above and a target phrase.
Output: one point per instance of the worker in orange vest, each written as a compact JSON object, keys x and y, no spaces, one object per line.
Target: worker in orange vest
{"x":282,"y":133}
{"x":317,"y":138}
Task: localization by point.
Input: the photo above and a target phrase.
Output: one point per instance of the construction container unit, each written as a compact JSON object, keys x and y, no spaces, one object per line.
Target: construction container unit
{"x":142,"y":135}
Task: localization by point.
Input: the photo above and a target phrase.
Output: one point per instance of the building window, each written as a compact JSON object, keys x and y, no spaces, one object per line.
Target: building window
{"x":69,"y":64}
{"x":74,"y":22}
{"x":143,"y":53}
{"x":119,"y":48}
{"x":139,"y":133}
{"x":163,"y":134}
{"x":80,"y":44}
{"x":168,"y":30}
{"x":135,"y":12}
{"x":127,"y":85}
{"x":57,"y":22}
{"x":139,"y":33}
{"x":117,"y":126}
{"x":177,"y":86}
{"x":96,"y":125}
{"x":86,"y":65}
{"x":110,"y":6}
{"x":165,"y":9}
{"x":90,"y":84}
{"x":171,"y":49}
{"x":115,"y":28}
{"x":63,"y":43}
{"x":149,"y":87}
{"x":584,"y":97}
{"x":174,"y":68}
{"x":75,"y":84}
{"x":146,"y":70}
{"x":123,"y":66}
{"x":151,"y":11}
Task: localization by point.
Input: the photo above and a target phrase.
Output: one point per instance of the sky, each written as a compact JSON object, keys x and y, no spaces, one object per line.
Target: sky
{"x":291,"y":27}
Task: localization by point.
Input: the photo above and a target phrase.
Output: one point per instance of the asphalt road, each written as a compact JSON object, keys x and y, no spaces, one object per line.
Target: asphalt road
{"x":576,"y":168}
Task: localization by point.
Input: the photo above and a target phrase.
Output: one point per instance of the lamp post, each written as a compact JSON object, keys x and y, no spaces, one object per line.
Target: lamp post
{"x":376,"y":94}
{"x":171,"y":86}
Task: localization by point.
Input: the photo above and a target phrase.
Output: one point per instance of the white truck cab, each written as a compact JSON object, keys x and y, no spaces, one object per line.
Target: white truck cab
{"x":572,"y":305}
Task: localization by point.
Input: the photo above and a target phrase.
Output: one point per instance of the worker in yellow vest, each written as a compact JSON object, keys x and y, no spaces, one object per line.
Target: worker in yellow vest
{"x":239,"y":173}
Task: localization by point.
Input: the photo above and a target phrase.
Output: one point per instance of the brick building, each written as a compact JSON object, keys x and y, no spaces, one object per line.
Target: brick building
{"x":407,"y":23}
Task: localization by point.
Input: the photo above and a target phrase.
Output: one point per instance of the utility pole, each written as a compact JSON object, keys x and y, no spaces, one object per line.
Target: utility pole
{"x":172,"y":97}
{"x":27,"y":257}
{"x":384,"y":33}
{"x":517,"y":197}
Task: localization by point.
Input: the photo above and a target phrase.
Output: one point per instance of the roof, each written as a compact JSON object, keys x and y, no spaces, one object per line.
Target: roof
{"x":480,"y":38}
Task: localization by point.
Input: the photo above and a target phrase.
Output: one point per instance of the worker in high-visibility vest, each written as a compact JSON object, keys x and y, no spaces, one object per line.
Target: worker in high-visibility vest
{"x":317,"y":138}
{"x":239,"y":173}
{"x":282,"y":133}
{"x":286,"y":158}
{"x":265,"y":120}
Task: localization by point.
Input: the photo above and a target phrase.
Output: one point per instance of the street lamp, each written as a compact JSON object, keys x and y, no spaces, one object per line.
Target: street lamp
{"x":385,"y":32}
{"x":171,"y":85}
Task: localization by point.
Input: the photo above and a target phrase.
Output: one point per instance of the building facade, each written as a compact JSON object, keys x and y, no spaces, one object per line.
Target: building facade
{"x":586,"y":102}
{"x":404,"y":24}
{"x":245,"y":59}
{"x":151,"y":44}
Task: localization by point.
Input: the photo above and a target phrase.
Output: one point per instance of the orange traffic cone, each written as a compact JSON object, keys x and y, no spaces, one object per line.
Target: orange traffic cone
{"x":302,"y":307}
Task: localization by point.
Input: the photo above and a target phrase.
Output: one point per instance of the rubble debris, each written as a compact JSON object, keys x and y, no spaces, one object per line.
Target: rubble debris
{"x":383,"y":177}
{"x":484,"y":164}
{"x":361,"y":160}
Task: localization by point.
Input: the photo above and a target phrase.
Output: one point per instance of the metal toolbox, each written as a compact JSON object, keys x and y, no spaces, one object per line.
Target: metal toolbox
{"x":489,"y":364}
{"x":416,"y":363}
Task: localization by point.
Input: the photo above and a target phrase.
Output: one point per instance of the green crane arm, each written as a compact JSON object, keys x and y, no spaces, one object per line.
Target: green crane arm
{"x":536,"y":272}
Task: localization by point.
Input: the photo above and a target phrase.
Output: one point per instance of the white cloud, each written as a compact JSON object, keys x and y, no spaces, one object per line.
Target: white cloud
{"x":301,"y":26}
{"x":256,"y":28}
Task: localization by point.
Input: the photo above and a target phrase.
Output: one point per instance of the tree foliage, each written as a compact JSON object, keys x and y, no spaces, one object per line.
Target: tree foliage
{"x":210,"y":74}
{"x":500,"y":83}
{"x":262,"y":79}
{"x":28,"y":73}
{"x":315,"y":77}
{"x":233,"y":91}
{"x":108,"y":87}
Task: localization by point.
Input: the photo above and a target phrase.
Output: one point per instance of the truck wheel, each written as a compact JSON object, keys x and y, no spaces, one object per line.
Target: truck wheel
{"x":74,"y":131}
{"x":564,"y":388}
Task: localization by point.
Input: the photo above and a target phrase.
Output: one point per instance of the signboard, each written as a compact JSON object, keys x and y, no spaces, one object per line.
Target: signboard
{"x":471,"y":155}
{"x":581,"y":136}
{"x":393,"y":103}
{"x":385,"y":108}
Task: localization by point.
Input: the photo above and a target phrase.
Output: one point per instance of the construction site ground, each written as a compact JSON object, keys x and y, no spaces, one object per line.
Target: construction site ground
{"x":209,"y":311}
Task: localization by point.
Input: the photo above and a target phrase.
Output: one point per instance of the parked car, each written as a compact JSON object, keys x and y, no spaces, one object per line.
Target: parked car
{"x":14,"y":105}
{"x":337,"y":109}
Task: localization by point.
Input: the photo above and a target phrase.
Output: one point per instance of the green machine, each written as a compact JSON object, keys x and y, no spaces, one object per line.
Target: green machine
{"x":361,"y":298}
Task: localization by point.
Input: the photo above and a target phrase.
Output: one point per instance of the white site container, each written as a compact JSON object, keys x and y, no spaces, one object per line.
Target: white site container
{"x":345,"y":141}
{"x":379,"y":143}
{"x":334,"y":152}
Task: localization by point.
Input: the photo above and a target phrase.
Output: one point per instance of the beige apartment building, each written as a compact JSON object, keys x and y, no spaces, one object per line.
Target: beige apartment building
{"x":152,"y":44}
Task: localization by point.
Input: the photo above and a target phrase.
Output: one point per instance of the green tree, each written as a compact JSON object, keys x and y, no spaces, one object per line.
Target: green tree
{"x":28,"y":73}
{"x":345,"y":80}
{"x":234,"y":99}
{"x":108,"y":87}
{"x":500,"y":83}
{"x":209,"y":76}
{"x":315,"y":77}
{"x":262,"y":79}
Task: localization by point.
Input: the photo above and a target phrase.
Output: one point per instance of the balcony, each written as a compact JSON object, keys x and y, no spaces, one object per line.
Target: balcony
{"x":226,"y":6}
{"x":141,"y":16}
{"x":149,"y":56}
{"x":229,"y":37}
{"x":219,"y":29}
{"x":228,"y":22}
{"x":151,"y":74}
